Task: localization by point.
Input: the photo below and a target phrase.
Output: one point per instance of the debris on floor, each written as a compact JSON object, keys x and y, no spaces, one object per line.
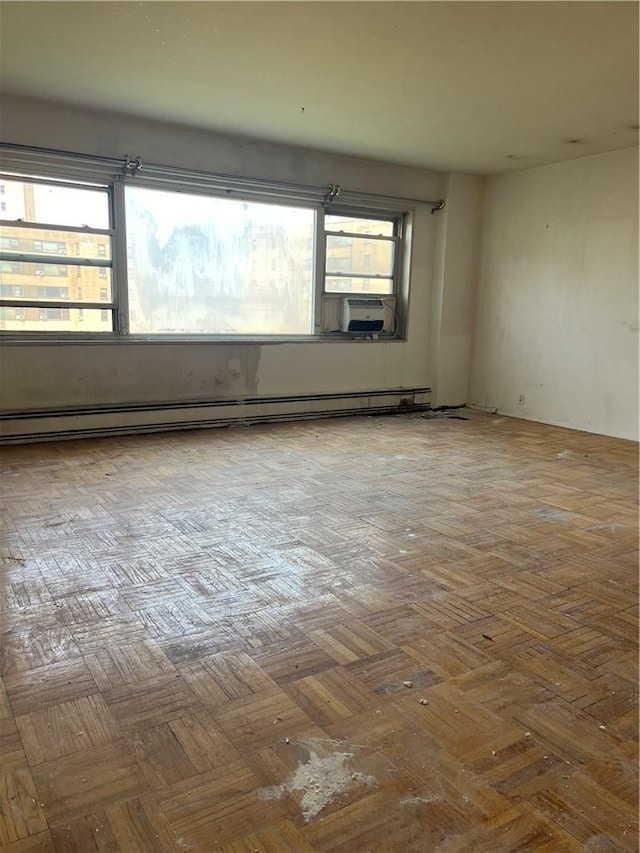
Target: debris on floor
{"x":322,"y":781}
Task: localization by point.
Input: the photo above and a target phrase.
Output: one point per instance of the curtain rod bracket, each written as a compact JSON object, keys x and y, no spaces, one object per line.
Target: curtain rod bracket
{"x":333,"y":193}
{"x":438,"y":206}
{"x":132,"y":166}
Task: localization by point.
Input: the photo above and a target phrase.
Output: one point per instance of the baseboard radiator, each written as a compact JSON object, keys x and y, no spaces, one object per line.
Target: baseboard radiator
{"x":50,"y":424}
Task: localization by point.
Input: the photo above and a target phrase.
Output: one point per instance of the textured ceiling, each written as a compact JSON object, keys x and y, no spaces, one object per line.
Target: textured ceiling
{"x":471,"y":86}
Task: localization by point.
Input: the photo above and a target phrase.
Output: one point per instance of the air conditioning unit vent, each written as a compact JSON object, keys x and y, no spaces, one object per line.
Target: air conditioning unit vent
{"x":362,"y":315}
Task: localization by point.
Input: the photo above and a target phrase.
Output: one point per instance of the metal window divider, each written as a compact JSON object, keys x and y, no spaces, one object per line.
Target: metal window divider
{"x":318,"y":271}
{"x":120,"y":279}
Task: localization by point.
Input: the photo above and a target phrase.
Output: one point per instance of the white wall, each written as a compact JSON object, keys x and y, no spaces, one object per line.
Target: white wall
{"x":453,"y":293}
{"x":557,"y":315}
{"x":77,"y":375}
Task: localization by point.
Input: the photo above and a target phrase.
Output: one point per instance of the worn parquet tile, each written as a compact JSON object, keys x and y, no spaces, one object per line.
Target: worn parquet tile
{"x":43,"y":686}
{"x":206,"y":638}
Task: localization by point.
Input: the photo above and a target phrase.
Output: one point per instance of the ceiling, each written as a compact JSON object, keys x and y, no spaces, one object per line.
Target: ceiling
{"x":482,"y":87}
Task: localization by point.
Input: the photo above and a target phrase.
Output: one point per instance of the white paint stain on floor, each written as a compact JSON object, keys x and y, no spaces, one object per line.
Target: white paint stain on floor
{"x":422,"y":799}
{"x":323,"y":780}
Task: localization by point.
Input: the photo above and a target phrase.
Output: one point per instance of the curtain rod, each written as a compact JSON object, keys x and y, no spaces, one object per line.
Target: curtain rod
{"x":130,"y":167}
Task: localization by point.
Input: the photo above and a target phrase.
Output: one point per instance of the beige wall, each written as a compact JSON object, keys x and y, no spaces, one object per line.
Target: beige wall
{"x":557,"y":316}
{"x":454,"y":290}
{"x":63,"y":375}
{"x":554,"y":317}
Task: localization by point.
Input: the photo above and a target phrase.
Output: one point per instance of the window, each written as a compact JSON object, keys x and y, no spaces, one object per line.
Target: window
{"x":192,"y":255}
{"x":49,"y":217}
{"x":360,"y":254}
{"x":201,"y":265}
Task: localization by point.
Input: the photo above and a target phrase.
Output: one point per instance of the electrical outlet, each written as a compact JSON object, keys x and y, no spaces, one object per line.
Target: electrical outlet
{"x":521,"y":399}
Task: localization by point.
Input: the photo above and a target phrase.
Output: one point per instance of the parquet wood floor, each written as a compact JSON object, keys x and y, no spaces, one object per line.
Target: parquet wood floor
{"x":369,"y":635}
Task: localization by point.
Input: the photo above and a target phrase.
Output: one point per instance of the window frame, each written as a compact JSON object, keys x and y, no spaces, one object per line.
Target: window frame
{"x":274,"y":200}
{"x":64,"y":175}
{"x":52,"y":259}
{"x":395,"y":239}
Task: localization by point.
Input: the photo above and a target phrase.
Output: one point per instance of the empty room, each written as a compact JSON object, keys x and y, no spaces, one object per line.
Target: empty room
{"x":319,"y":423}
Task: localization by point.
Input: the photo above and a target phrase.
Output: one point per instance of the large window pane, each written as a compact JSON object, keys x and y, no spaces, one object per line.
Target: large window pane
{"x":55,"y":205}
{"x":203,"y":265}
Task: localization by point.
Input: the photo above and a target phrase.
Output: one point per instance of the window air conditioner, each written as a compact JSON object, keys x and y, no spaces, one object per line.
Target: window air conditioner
{"x":362,"y":315}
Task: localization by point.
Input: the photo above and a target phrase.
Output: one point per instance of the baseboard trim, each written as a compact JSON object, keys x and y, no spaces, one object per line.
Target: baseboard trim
{"x":53,"y":425}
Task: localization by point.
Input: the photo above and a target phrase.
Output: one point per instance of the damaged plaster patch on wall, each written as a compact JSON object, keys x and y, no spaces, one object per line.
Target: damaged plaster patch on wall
{"x":236,"y":371}
{"x":322,"y":780}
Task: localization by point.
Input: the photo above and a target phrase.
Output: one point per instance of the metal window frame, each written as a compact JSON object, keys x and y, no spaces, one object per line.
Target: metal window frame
{"x":55,"y":259}
{"x":395,"y":238}
{"x":267,"y":198}
{"x":86,"y":172}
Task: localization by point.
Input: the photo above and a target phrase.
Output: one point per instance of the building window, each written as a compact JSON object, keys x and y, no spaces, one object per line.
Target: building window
{"x":199,"y":257}
{"x":360,"y":254}
{"x":49,"y":216}
{"x":201,"y":265}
